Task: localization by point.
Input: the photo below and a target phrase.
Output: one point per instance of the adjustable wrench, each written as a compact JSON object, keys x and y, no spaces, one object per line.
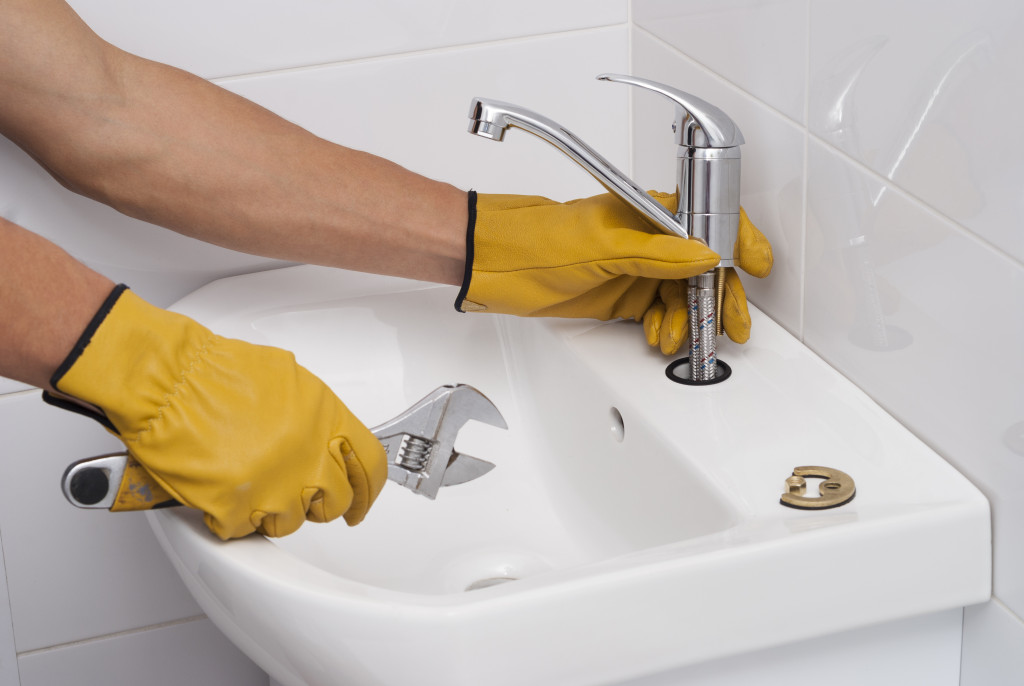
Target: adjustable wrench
{"x":420,"y":445}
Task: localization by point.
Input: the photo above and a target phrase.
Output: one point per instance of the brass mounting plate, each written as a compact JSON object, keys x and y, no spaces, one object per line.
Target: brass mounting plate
{"x":836,"y":489}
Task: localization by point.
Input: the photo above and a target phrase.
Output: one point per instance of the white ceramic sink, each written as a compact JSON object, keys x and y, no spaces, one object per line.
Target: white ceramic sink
{"x":640,"y":518}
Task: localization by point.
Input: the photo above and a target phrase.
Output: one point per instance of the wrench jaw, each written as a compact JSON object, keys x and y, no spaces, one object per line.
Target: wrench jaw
{"x":420,"y":442}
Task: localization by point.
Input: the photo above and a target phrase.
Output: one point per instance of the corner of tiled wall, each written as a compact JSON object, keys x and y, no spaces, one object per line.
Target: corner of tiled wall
{"x":884,"y":164}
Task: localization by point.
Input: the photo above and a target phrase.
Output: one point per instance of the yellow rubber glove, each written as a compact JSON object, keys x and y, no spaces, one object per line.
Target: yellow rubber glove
{"x":666,"y":323}
{"x":594,"y":258}
{"x":237,"y":430}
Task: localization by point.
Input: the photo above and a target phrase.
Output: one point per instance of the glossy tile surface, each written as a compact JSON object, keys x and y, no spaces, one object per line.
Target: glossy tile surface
{"x":929,"y":98}
{"x":771,"y":188}
{"x":246,"y":36}
{"x":760,"y":45}
{"x":193,"y":652}
{"x":884,"y":306}
{"x":420,"y":118}
{"x":73,"y":574}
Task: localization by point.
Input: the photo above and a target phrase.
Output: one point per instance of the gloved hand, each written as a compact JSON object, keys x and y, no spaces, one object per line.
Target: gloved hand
{"x":594,"y":258}
{"x":666,"y":322}
{"x":237,"y":430}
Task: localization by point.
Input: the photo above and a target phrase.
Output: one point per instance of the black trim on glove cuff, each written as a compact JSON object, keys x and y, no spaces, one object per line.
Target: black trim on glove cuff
{"x":66,"y":402}
{"x":468,"y":274}
{"x":87,"y":334}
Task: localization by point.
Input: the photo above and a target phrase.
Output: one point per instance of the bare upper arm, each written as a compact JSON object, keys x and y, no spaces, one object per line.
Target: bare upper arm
{"x":53,"y":68}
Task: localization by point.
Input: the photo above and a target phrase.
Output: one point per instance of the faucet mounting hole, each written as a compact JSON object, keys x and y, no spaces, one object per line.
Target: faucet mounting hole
{"x":679,"y":371}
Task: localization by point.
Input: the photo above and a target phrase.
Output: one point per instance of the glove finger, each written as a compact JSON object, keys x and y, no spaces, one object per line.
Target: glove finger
{"x":753,"y":252}
{"x":653,"y":318}
{"x":278,"y":524}
{"x":366,"y":470}
{"x":675,"y":327}
{"x":326,"y":503}
{"x":225,"y":531}
{"x":735,"y":316}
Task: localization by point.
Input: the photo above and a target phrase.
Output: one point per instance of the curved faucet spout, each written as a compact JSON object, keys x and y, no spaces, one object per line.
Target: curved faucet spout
{"x":491,"y":118}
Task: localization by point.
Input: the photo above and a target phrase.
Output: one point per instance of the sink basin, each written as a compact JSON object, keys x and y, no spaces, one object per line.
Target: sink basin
{"x":631,"y":525}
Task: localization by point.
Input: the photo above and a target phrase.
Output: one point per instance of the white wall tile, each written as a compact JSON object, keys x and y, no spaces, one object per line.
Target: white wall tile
{"x":992,"y":650}
{"x":160,"y":265}
{"x":186,"y":653}
{"x":929,"y":96}
{"x":927,"y":320}
{"x":8,"y":651}
{"x":760,"y":45}
{"x":772,"y":171}
{"x":414,"y":109}
{"x":73,"y":574}
{"x":246,"y":36}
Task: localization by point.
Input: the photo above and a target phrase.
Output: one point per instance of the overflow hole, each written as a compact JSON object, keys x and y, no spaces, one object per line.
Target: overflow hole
{"x":618,"y":427}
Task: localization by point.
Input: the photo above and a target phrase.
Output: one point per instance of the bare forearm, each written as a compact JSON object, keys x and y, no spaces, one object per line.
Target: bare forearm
{"x":47,"y":299}
{"x":172,"y":149}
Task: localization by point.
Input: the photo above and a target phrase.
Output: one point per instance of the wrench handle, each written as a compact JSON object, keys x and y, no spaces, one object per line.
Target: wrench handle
{"x":115,"y":482}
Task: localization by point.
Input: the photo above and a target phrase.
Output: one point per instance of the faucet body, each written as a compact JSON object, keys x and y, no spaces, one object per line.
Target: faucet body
{"x":707,"y":187}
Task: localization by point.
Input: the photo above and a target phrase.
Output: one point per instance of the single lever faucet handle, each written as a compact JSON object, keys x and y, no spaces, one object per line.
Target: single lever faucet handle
{"x":699,"y":124}
{"x":708,"y":171}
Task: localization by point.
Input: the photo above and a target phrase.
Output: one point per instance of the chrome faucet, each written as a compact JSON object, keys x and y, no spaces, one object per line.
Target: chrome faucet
{"x":707,"y":186}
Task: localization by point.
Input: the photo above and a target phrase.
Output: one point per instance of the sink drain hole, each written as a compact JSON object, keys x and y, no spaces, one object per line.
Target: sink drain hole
{"x":492,"y":581}
{"x":478,"y":569}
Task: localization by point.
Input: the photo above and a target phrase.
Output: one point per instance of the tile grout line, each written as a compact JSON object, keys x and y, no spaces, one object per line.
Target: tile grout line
{"x":116,"y":634}
{"x":10,"y":612}
{"x":805,"y":183}
{"x":631,"y":143}
{"x":23,"y":391}
{"x":918,"y":202}
{"x":422,"y":52}
{"x":721,"y":79}
{"x":963,"y":633}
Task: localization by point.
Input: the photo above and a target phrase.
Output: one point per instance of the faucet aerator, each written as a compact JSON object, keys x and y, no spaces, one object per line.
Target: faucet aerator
{"x":486,"y":129}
